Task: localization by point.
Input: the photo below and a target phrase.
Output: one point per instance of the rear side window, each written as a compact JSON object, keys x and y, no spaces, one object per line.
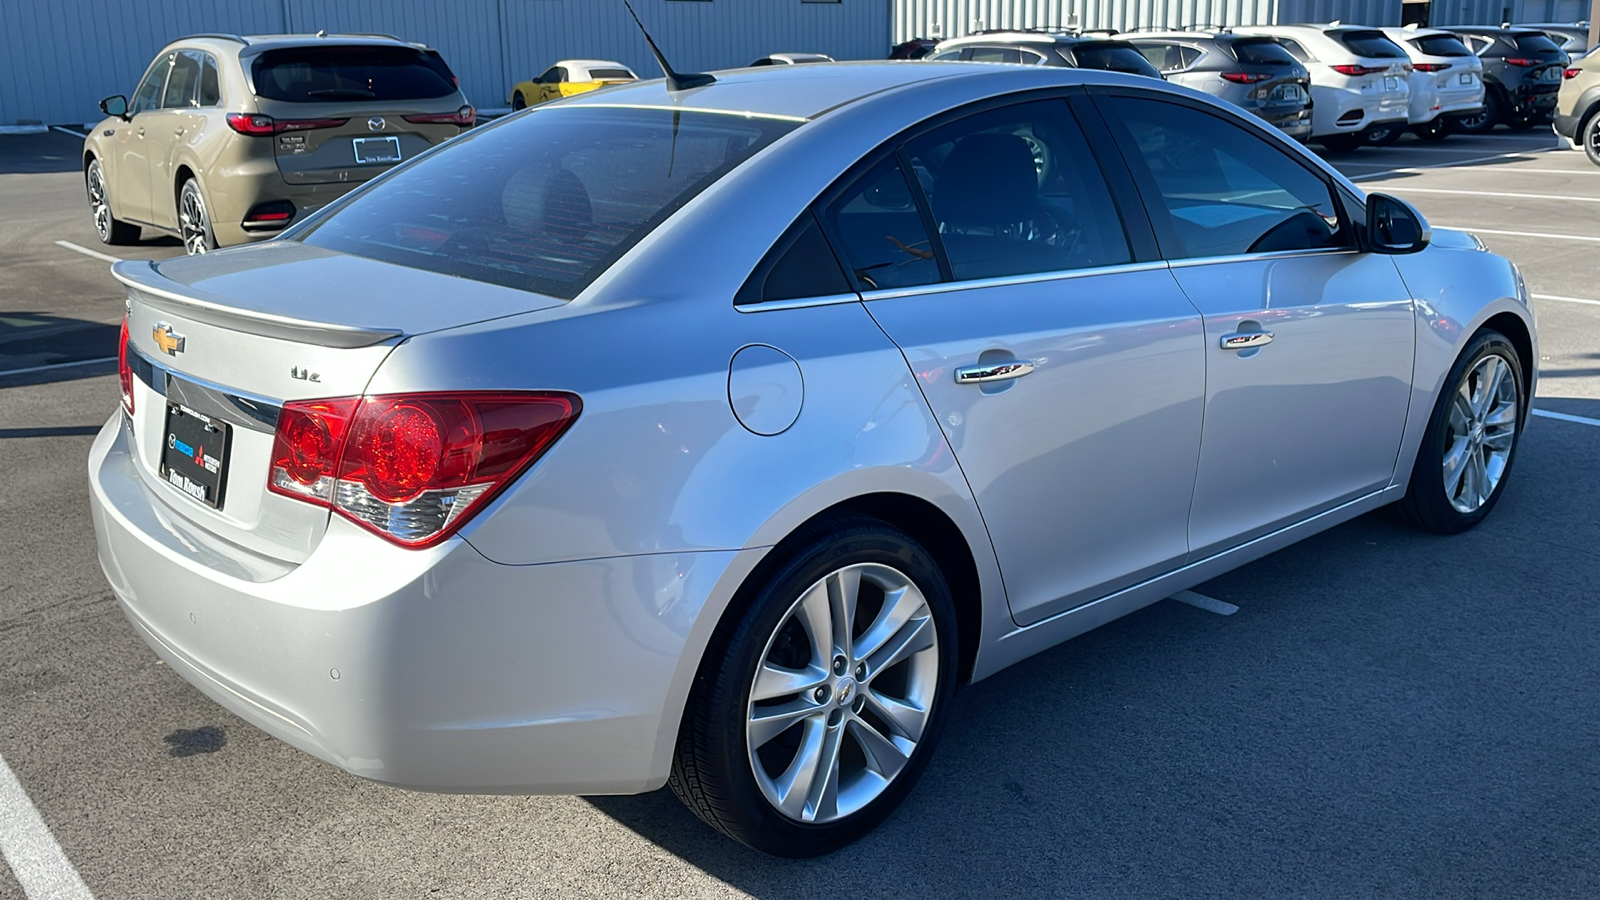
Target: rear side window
{"x":1223,"y":190}
{"x":610,"y":74}
{"x":181,"y":83}
{"x":1262,"y":53}
{"x":544,"y":202}
{"x":996,"y":54}
{"x":800,"y":265}
{"x":945,"y":55}
{"x":330,"y":73}
{"x":1371,"y":44}
{"x":1536,"y":43}
{"x":1295,"y":50}
{"x":1168,"y":57}
{"x":1113,"y":57}
{"x":1442,"y":45}
{"x":210,"y":87}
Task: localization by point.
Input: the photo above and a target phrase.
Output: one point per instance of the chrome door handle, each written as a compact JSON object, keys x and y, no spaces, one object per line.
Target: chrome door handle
{"x":1000,"y":371}
{"x":1246,"y":340}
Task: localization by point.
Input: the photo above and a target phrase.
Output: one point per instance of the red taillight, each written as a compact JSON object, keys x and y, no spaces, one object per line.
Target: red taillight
{"x":1522,"y":61}
{"x":1571,"y":73}
{"x":124,"y":372}
{"x":1431,"y":67}
{"x":1245,"y":77}
{"x":413,"y":467}
{"x":465,"y":117}
{"x":259,"y":126}
{"x":1355,"y":71}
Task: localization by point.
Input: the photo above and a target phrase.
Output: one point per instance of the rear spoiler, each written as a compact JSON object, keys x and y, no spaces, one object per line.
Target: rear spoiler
{"x":157,"y":290}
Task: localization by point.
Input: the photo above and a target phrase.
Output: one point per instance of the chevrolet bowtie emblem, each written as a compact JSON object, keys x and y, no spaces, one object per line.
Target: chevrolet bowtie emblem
{"x":170,"y":342}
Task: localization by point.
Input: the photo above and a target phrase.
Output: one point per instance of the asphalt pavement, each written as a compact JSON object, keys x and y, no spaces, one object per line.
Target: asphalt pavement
{"x":1388,"y":714}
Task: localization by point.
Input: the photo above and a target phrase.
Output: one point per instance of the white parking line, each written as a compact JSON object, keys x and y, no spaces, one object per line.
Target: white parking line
{"x":1423,"y":190}
{"x":1209,"y":604}
{"x":1565,"y":299}
{"x":68,"y":131}
{"x":87,"y":252}
{"x":81,"y":362}
{"x":1581,"y":420}
{"x":1515,"y":154}
{"x":1532,"y":234}
{"x":29,"y":848}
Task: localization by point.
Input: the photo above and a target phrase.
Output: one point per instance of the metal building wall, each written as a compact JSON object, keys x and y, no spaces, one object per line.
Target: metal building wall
{"x":955,"y":18}
{"x":1493,"y":12}
{"x":59,"y":57}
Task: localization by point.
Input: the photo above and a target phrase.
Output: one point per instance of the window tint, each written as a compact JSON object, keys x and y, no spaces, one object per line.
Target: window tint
{"x":323,"y":73}
{"x":1536,"y":43}
{"x":995,"y":54}
{"x":1371,"y":44}
{"x":210,"y":93}
{"x":1016,"y":191}
{"x":181,"y":83}
{"x":610,"y":74}
{"x":1224,"y":190}
{"x":800,"y":265}
{"x":1262,"y":53}
{"x":1115,"y":57}
{"x":148,"y":96}
{"x":1442,"y":45}
{"x":881,"y":233}
{"x":1167,"y":57}
{"x":1295,"y":50}
{"x":544,"y":202}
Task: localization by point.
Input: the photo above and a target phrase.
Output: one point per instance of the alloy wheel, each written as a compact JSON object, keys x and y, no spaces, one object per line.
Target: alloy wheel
{"x":97,"y":202}
{"x":843,"y":693}
{"x":193,"y":224}
{"x":1591,"y":139}
{"x":1480,"y":433}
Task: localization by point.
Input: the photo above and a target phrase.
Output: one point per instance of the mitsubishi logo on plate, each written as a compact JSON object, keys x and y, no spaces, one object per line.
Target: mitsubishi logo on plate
{"x":170,"y":342}
{"x":375,"y":123}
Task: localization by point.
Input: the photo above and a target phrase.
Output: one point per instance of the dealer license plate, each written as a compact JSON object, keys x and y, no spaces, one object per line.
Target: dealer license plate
{"x":377,"y":150}
{"x":194,"y":454}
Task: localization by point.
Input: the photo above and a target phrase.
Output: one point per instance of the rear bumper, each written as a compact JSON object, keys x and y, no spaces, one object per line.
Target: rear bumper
{"x":433,"y":669}
{"x":1566,"y":126}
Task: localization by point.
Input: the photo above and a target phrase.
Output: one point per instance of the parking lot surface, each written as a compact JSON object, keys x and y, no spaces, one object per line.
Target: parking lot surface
{"x":1387,"y":714}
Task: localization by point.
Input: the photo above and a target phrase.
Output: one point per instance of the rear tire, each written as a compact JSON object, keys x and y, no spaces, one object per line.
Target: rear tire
{"x":1341,"y":143}
{"x":1383,"y":135}
{"x":1437,"y":130}
{"x":1484,"y":122}
{"x":518,"y":102}
{"x":108,"y":227}
{"x":1476,"y":424}
{"x":842,"y":723}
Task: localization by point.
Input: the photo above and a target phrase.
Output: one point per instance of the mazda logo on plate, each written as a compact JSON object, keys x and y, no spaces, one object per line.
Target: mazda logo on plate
{"x":375,"y":123}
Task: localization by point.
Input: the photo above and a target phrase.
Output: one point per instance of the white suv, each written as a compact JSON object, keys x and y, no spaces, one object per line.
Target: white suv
{"x":1358,"y":79}
{"x":1446,"y":82}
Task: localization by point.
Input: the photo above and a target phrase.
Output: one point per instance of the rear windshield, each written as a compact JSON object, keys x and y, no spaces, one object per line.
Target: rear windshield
{"x":1441,"y":45}
{"x":1371,"y":44}
{"x":545,"y":202}
{"x":1115,"y":57}
{"x":1262,"y":53}
{"x":610,"y":74}
{"x":327,"y":74}
{"x":1537,"y":43}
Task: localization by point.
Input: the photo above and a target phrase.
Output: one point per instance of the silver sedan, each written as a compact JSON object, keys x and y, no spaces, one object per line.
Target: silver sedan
{"x":711,"y":437}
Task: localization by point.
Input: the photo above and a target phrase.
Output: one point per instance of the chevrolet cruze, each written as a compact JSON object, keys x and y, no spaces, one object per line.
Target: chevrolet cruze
{"x":713,"y":436}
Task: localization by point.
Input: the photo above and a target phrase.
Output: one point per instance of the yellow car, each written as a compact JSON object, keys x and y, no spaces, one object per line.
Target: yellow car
{"x":568,"y":77}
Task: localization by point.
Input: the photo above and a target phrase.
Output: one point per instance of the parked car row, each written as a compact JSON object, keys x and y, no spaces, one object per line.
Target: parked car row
{"x":1577,"y":116}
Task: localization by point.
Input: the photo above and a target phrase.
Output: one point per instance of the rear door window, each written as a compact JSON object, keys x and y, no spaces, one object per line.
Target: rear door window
{"x":544,"y":202}
{"x":995,"y":54}
{"x":324,"y":74}
{"x":1262,"y":53}
{"x":1113,"y":57}
{"x":1442,"y":45}
{"x":1220,"y":190}
{"x":210,"y":91}
{"x":1536,"y":43}
{"x":1371,"y":44}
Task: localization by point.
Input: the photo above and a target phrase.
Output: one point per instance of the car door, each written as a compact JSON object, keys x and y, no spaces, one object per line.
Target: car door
{"x":165,"y":128}
{"x":1308,"y":339}
{"x":129,"y":182}
{"x":550,"y":83}
{"x":1065,"y":368}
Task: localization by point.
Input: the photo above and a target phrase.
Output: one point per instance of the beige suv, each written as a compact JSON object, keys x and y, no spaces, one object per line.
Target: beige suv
{"x":1578,"y":105}
{"x":229,"y":139}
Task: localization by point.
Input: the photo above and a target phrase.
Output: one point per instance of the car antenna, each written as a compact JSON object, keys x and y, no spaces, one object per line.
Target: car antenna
{"x":676,"y":81}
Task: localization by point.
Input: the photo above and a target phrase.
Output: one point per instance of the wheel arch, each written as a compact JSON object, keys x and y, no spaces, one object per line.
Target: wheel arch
{"x":1516,"y":331}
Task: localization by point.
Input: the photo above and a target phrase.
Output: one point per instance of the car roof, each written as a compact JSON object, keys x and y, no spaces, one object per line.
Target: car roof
{"x":806,"y":92}
{"x":1492,"y":29}
{"x":591,"y":64}
{"x":796,"y":56}
{"x":1026,"y":37}
{"x":1394,"y":30}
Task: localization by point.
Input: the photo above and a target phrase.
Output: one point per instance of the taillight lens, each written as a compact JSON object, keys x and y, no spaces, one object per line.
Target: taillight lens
{"x":1355,"y":71}
{"x":124,"y":372}
{"x":1431,"y":67}
{"x":259,"y":126}
{"x":1571,"y":73}
{"x":413,"y":467}
{"x":1522,"y":61}
{"x":465,"y":117}
{"x":1245,"y":77}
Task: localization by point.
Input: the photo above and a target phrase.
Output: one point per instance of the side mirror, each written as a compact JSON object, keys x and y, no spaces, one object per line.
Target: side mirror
{"x":1395,"y":226}
{"x":115,"y":106}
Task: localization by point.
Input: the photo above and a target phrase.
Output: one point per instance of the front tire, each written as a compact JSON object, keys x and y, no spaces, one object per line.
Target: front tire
{"x":819,"y":703}
{"x":194,"y":220}
{"x":1589,"y":135}
{"x":1467,"y":452}
{"x":110,"y":229}
{"x":518,"y":101}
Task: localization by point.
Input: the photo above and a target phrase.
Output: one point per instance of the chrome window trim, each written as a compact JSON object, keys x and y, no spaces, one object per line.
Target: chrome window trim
{"x":250,"y":411}
{"x":1006,"y":280}
{"x":1247,"y":257}
{"x":798,"y":303}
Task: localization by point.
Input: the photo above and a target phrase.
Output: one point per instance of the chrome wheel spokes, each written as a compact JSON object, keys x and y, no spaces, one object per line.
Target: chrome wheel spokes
{"x":1480,"y":433}
{"x":843,"y":693}
{"x":97,"y":202}
{"x":192,"y":222}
